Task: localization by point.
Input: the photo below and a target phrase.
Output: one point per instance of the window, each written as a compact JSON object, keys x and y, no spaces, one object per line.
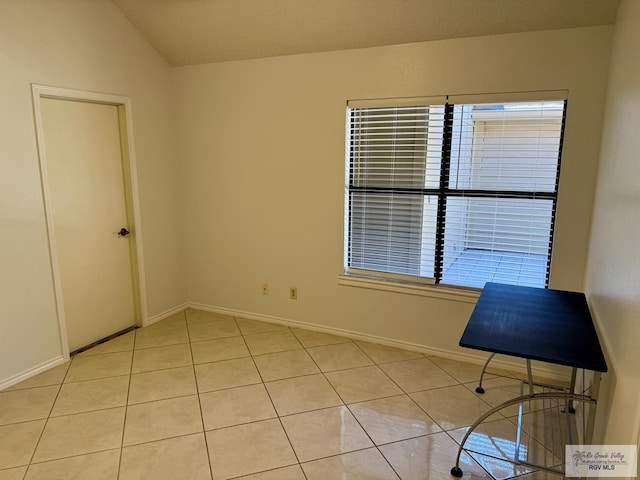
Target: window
{"x":456,"y":193}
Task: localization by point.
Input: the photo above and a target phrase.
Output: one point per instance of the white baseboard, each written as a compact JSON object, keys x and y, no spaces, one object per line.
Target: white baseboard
{"x":509,"y":364}
{"x":32,"y":372}
{"x":166,"y":314}
{"x":22,"y":376}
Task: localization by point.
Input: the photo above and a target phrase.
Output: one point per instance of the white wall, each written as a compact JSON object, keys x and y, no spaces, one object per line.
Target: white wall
{"x":85,"y":45}
{"x":262,"y":144}
{"x":613,"y":279}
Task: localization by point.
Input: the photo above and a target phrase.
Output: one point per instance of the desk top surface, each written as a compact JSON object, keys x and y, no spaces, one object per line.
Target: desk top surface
{"x":539,"y":324}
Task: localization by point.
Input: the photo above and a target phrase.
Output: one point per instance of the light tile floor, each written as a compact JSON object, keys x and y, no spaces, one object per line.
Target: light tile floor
{"x":203,"y":396}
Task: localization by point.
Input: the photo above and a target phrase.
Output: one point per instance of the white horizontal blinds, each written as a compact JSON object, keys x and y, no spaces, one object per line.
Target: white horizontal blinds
{"x":501,"y":193}
{"x":502,"y":240}
{"x":460,"y":200}
{"x":396,"y":147}
{"x":392,"y":233}
{"x":506,"y":146}
{"x":394,"y":159}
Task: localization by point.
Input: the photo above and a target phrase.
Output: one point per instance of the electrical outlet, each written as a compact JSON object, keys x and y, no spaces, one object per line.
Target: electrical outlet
{"x":265,"y":289}
{"x":293,"y":293}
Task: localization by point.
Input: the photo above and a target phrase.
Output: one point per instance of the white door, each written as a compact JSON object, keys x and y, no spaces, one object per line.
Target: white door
{"x":87,"y":199}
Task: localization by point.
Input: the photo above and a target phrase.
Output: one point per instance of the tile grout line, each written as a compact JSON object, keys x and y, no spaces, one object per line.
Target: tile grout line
{"x":404,"y":393}
{"x":443,"y":430}
{"x":408,"y":394}
{"x":382,"y":369}
{"x":335,"y":455}
{"x":195,"y":377}
{"x":47,"y":420}
{"x":468,"y":454}
{"x":61,"y":416}
{"x":295,"y":454}
{"x":376,"y":446}
{"x":351,"y":413}
{"x":126,"y":405}
{"x":67,"y":374}
{"x":66,"y":457}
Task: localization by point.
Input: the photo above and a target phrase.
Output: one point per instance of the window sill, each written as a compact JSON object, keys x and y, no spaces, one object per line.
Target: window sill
{"x":440,"y":292}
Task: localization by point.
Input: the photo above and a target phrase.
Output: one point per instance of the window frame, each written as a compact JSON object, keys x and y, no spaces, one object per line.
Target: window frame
{"x":444,"y":191}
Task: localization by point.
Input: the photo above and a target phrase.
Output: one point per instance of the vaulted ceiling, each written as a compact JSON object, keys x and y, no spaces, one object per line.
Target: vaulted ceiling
{"x":188,"y":32}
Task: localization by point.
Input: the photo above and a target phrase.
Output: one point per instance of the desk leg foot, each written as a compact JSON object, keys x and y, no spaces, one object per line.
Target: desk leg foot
{"x":479,"y":389}
{"x":572,"y":410}
{"x":456,"y":472}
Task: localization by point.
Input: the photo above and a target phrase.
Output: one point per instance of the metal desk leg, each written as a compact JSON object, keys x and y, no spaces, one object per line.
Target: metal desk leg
{"x":456,"y":471}
{"x":479,"y":388}
{"x":595,"y":390}
{"x":574,"y":373}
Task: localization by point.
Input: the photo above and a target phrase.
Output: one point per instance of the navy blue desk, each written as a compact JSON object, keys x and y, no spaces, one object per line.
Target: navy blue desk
{"x":552,"y":326}
{"x":535,"y":323}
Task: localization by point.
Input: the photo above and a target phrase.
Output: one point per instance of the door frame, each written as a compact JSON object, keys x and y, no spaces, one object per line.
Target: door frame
{"x":131,"y":190}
